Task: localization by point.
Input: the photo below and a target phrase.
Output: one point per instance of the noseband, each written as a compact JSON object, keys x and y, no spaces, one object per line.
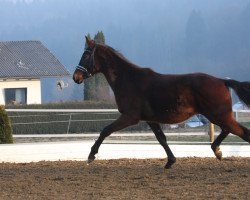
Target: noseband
{"x":90,"y":64}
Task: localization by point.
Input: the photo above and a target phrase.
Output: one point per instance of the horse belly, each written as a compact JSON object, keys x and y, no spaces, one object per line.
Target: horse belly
{"x":178,"y":116}
{"x":170,"y":105}
{"x":174,"y":115}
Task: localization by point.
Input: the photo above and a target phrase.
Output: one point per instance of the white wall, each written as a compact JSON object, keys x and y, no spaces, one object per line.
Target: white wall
{"x":33,"y":89}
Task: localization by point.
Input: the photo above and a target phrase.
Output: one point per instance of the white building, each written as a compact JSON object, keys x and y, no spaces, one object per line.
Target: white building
{"x":22,"y":65}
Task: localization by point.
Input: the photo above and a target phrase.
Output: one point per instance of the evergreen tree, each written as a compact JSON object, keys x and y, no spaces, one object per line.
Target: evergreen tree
{"x":99,"y":38}
{"x":89,"y":85}
{"x":101,"y":84}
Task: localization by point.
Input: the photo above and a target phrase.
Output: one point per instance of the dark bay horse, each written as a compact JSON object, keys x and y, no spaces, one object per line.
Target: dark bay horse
{"x":142,"y":94}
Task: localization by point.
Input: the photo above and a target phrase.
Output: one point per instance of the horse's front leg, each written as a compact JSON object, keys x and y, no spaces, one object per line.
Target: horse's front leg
{"x":163,"y":141}
{"x":122,"y":122}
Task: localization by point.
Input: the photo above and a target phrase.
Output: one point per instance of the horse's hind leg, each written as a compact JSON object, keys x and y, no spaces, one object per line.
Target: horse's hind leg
{"x":235,"y":128}
{"x":246,"y":135}
{"x":229,"y":125}
{"x":216,"y":144}
{"x":163,"y":141}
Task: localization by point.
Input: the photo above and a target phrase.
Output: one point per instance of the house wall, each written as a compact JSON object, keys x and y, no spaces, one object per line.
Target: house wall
{"x":33,"y":89}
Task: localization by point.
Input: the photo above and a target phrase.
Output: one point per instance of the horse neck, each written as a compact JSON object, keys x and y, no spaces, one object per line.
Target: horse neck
{"x":116,"y":67}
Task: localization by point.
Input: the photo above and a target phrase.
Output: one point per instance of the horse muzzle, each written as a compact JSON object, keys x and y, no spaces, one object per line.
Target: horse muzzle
{"x":80,"y":74}
{"x":76,"y":80}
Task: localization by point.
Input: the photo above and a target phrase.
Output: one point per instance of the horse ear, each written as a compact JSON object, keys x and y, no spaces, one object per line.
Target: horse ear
{"x":89,"y":42}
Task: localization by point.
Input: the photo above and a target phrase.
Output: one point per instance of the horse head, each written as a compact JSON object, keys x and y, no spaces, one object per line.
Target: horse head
{"x":86,"y":67}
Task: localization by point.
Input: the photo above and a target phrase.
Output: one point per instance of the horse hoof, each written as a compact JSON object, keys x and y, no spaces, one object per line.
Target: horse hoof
{"x":218,"y":154}
{"x":168,"y":166}
{"x":170,"y":163}
{"x":90,"y":159}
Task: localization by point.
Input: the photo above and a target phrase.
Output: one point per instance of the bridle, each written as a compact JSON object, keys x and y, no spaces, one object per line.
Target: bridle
{"x":88,"y":65}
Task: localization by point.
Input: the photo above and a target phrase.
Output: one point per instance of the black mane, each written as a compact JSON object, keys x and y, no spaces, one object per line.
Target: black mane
{"x":120,"y":56}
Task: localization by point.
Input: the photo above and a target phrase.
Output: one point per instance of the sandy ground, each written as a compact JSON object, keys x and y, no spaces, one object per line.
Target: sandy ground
{"x":190,"y":178}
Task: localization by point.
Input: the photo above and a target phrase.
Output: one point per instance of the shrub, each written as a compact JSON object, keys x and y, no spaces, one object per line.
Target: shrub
{"x":5,"y":127}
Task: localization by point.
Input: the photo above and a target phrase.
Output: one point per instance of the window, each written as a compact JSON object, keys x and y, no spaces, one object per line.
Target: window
{"x":16,"y":96}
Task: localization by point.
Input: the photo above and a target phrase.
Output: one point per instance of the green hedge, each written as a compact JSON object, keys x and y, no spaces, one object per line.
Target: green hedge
{"x":5,"y":127}
{"x":97,"y":121}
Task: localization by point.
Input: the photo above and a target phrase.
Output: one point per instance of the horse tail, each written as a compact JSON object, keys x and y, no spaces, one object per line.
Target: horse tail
{"x":242,"y":89}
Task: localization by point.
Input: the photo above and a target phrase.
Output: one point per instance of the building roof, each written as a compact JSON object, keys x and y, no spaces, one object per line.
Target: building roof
{"x":28,"y":59}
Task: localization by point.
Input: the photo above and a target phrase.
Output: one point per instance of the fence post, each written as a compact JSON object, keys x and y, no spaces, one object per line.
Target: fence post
{"x":69,"y":123}
{"x":211,"y":132}
{"x":236,"y":115}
